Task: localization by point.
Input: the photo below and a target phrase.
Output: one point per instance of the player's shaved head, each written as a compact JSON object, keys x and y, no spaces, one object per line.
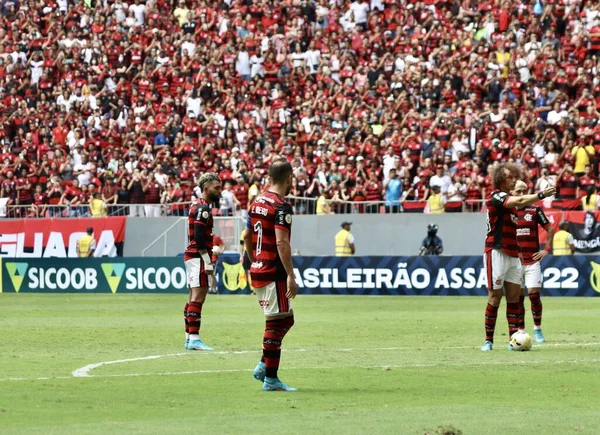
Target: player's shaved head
{"x":279,"y":171}
{"x":210,"y":184}
{"x":520,"y":188}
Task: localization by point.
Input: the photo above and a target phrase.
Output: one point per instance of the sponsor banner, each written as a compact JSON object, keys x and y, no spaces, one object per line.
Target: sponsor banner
{"x":57,"y":238}
{"x":563,"y":276}
{"x":93,"y":275}
{"x":584,"y":226}
{"x":576,"y":275}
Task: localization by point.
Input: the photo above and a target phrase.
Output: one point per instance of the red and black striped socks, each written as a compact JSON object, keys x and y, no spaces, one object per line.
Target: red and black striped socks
{"x":275,"y":331}
{"x":536,"y":309}
{"x":522,"y":312}
{"x":513,"y":317}
{"x":193,"y":318}
{"x":491,"y":314}
{"x":187,"y":329}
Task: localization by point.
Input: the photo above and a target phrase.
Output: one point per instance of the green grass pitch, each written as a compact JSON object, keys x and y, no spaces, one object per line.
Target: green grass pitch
{"x":401,"y":365}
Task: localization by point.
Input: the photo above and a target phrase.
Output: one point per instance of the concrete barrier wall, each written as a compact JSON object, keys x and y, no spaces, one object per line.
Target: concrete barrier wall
{"x":379,"y":235}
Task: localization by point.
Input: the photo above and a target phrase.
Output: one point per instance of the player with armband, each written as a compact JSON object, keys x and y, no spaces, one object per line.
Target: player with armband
{"x":530,"y":218}
{"x":268,"y":246}
{"x":197,"y":257}
{"x":501,"y":255}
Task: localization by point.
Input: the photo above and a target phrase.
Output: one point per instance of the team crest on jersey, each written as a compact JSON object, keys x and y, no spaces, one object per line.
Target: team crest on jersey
{"x":205,"y":214}
{"x":528,"y":217}
{"x":288,"y":219}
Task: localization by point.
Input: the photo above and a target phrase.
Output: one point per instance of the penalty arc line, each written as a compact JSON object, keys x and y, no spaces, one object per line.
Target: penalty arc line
{"x":366,"y":367}
{"x":84,"y":372}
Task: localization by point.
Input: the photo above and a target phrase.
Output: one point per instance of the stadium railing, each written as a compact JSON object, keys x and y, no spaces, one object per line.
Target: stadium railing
{"x":228,"y":228}
{"x":301,"y":205}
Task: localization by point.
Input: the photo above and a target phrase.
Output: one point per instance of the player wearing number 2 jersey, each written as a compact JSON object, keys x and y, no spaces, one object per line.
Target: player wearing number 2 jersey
{"x":529,"y":220}
{"x":268,"y":246}
{"x":501,"y":257}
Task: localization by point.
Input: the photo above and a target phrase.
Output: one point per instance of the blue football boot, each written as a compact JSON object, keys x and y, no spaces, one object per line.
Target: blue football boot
{"x":539,"y":335}
{"x":259,"y":371}
{"x":488,"y":346}
{"x":198,"y":345}
{"x":274,"y":384}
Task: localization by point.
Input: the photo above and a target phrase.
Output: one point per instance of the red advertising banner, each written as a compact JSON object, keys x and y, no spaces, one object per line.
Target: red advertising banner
{"x":45,"y":238}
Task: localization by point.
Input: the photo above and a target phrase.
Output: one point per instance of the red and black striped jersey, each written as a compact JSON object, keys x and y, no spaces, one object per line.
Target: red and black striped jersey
{"x":268,"y":212}
{"x":501,"y":225}
{"x":200,"y":213}
{"x":527,"y":231}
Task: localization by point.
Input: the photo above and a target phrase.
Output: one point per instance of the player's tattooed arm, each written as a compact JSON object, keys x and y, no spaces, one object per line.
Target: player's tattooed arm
{"x":201,"y":221}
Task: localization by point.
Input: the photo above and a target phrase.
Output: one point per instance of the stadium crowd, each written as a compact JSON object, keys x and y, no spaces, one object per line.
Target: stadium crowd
{"x":128,"y":102}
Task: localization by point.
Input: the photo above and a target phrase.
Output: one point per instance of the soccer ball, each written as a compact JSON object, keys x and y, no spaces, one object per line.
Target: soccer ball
{"x":520,"y":341}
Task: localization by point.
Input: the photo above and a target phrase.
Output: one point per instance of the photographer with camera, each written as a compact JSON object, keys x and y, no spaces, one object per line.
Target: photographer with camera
{"x":432,"y":244}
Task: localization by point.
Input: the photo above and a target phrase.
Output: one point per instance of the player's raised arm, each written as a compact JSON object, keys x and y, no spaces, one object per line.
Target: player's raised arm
{"x":283,"y":227}
{"x":525,"y":200}
{"x":202,"y":217}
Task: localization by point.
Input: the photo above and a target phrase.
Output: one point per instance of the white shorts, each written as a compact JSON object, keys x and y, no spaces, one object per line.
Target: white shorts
{"x":272,"y":298}
{"x":532,"y":275}
{"x":196,"y":275}
{"x":500,"y":268}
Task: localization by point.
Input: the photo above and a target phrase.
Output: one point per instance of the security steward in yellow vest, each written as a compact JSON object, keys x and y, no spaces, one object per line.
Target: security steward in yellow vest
{"x":562,"y":243}
{"x":436,"y":201}
{"x":87,"y":244}
{"x":344,"y":241}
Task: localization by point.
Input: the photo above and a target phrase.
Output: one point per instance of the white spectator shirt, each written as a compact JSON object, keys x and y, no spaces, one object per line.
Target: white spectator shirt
{"x":190,"y":47}
{"x":456,"y":188}
{"x":226,"y":199}
{"x":119,"y":11}
{"x":161,"y":179}
{"x":242,"y":64}
{"x":36,"y":71}
{"x":306,"y":121}
{"x":139,"y":11}
{"x":256,"y":67}
{"x":193,"y":105}
{"x":360,"y":10}
{"x":63,"y":5}
{"x":85,"y":177}
{"x":377,"y":4}
{"x":312,"y":59}
{"x":298,"y":59}
{"x":388,"y":163}
{"x":443,"y":182}
{"x":555,"y":117}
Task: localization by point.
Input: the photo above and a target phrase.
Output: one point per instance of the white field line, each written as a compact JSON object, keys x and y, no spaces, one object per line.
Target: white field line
{"x":381,"y":367}
{"x":84,"y":372}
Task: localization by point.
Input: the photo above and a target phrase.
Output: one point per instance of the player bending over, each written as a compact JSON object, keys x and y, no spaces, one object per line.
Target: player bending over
{"x":197,"y":257}
{"x":268,"y":246}
{"x":501,"y":255}
{"x":527,"y":236}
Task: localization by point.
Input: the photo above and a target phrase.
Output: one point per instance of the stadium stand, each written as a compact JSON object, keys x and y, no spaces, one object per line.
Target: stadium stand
{"x":133,"y":100}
